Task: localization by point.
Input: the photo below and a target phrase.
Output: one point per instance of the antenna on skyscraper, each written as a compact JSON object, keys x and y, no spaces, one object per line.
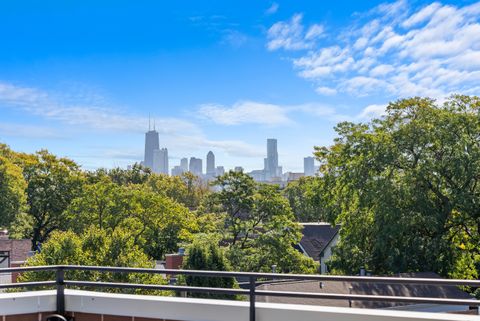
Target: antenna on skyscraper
{"x":149,"y":127}
{"x":154,"y":124}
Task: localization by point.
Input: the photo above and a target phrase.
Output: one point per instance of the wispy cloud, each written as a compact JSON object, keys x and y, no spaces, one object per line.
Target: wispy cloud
{"x":234,"y":38}
{"x":27,"y":131}
{"x":244,"y":112}
{"x":394,"y":50}
{"x":251,"y":112}
{"x":272,"y":9}
{"x":179,"y":133}
{"x":45,"y":105}
{"x":292,"y":34}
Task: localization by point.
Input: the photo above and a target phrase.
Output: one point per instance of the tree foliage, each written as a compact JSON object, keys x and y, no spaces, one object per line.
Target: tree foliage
{"x":52,"y":183}
{"x":157,"y":223}
{"x":303,"y":197}
{"x":12,"y":192}
{"x":259,"y":225}
{"x":405,"y":188}
{"x":94,"y":247}
{"x":207,"y":256}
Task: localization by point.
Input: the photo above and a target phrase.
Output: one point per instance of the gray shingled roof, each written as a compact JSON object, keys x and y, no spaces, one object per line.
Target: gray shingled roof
{"x":413,"y":290}
{"x":316,"y":237}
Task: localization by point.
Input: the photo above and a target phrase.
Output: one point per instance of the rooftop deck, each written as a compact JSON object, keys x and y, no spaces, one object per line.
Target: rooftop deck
{"x":87,"y":305}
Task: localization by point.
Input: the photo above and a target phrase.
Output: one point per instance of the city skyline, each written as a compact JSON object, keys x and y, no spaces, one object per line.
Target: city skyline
{"x":157,"y":159}
{"x":221,"y":76}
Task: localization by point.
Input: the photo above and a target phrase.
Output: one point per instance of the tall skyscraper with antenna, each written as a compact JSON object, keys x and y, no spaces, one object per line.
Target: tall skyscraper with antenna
{"x":151,"y":144}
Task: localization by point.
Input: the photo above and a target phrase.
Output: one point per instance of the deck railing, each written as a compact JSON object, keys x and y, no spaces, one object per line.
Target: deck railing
{"x":60,"y":283}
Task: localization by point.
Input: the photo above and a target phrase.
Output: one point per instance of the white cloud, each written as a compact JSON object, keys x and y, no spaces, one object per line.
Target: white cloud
{"x":180,"y":134}
{"x":291,"y":35}
{"x":245,"y":112}
{"x":372,"y":111}
{"x":326,"y":91}
{"x":251,"y":112}
{"x":26,"y":131}
{"x":234,"y":38}
{"x":272,"y":9}
{"x":314,"y":32}
{"x":394,"y":50}
{"x":45,"y":105}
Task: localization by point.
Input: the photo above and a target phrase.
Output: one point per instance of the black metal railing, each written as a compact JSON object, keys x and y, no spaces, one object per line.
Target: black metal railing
{"x":61,"y":283}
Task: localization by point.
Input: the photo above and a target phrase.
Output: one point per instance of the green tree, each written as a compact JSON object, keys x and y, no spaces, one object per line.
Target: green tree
{"x":259,"y":226}
{"x":52,"y":183}
{"x":187,"y":189}
{"x":202,"y":256}
{"x":405,"y":188}
{"x":94,"y":247}
{"x":302,"y":195}
{"x":12,"y":192}
{"x":158,"y":224}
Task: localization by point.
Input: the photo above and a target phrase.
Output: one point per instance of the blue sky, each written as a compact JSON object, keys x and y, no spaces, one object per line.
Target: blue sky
{"x":81,"y":77}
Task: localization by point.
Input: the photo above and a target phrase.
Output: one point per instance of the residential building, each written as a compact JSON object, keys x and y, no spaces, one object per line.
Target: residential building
{"x":377,"y":289}
{"x":318,"y":241}
{"x":13,"y":253}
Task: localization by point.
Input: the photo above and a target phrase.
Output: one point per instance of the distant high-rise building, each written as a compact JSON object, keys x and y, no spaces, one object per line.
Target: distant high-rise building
{"x":210,"y":164}
{"x":309,"y":166}
{"x":271,"y":168}
{"x":160,"y":161}
{"x":258,"y":175}
{"x":151,"y":144}
{"x":184,"y":164}
{"x":238,"y":169}
{"x":219,"y":171}
{"x":196,"y":166}
{"x":177,"y":171}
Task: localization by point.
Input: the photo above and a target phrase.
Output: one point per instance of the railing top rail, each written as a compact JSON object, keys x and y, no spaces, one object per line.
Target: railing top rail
{"x":309,"y":277}
{"x":283,"y":276}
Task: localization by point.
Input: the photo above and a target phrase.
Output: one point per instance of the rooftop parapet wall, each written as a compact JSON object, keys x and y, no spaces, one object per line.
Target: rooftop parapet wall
{"x":85,"y":305}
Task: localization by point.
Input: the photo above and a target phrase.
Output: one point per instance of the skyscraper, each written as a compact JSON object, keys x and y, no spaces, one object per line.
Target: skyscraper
{"x":196,"y":166}
{"x":219,"y":171}
{"x":151,"y":144}
{"x":210,"y":164}
{"x":271,"y":169}
{"x":184,"y":164}
{"x":160,"y":161}
{"x":309,"y":166}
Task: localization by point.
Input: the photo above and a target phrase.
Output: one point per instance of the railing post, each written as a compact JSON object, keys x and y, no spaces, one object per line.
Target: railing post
{"x":60,"y":291}
{"x":252,"y":298}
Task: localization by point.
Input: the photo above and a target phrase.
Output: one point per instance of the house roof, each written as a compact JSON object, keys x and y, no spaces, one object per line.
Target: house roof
{"x":413,"y":290}
{"x":316,"y":237}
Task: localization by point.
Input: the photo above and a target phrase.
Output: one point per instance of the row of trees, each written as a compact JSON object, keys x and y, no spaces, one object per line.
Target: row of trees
{"x":404,"y":187}
{"x":61,"y":207}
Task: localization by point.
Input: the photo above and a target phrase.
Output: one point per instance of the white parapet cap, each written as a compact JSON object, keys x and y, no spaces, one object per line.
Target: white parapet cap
{"x":179,"y":308}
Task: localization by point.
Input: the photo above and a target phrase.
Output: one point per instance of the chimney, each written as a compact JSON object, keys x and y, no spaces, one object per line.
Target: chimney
{"x":174,"y":261}
{"x":363,"y":272}
{"x":4,"y":234}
